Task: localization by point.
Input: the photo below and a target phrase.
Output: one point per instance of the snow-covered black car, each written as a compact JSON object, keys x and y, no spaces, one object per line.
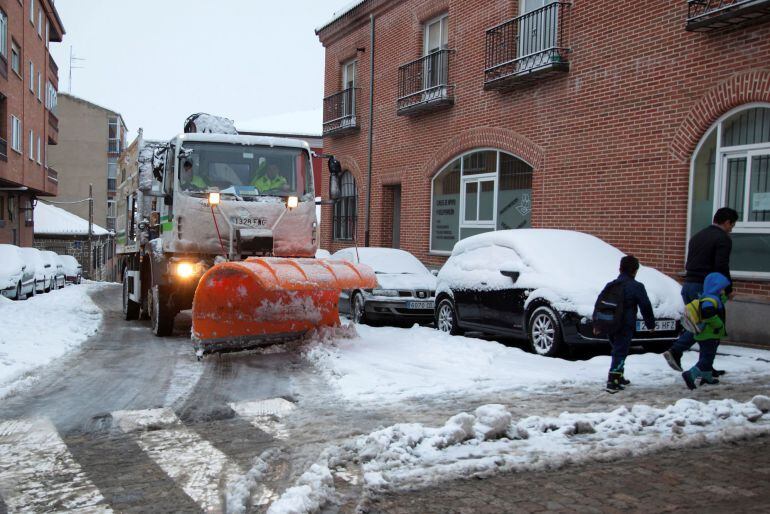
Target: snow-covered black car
{"x":405,"y":291}
{"x":541,"y":285}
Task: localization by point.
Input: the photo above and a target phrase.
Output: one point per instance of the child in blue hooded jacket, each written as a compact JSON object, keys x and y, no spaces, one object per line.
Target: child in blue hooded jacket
{"x":712,"y":314}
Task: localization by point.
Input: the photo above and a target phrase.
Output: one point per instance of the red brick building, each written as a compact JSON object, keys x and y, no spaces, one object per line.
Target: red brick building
{"x":28,"y":87}
{"x":633,"y":123}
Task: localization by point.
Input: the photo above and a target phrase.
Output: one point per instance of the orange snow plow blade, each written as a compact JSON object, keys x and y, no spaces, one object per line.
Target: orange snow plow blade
{"x":262,"y":300}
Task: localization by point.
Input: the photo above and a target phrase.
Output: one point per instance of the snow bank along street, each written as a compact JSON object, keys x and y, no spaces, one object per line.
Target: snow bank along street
{"x":375,"y":365}
{"x":38,"y":330}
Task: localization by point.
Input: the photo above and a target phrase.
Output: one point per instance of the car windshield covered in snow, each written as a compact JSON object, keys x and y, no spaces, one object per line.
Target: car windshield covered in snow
{"x":245,"y":171}
{"x":386,"y":260}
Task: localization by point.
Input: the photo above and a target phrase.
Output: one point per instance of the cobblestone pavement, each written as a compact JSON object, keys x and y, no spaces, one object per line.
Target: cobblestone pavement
{"x":731,"y":477}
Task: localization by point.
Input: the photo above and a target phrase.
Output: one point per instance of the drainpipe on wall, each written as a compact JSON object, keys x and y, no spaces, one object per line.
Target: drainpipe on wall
{"x":371,"y":127}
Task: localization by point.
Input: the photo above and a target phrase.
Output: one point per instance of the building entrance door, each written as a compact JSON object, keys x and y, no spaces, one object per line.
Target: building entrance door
{"x":397,"y":217}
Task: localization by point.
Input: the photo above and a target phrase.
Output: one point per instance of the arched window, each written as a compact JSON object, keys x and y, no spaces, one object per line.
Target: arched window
{"x":345,"y":209}
{"x":479,"y":191}
{"x":731,"y":168}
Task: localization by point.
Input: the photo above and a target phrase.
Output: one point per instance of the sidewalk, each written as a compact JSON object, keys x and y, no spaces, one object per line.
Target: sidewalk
{"x":727,"y":478}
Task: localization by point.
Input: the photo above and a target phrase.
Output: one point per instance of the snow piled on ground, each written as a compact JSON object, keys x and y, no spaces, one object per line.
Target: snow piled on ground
{"x":389,"y":364}
{"x":490,"y":441}
{"x":36,"y":331}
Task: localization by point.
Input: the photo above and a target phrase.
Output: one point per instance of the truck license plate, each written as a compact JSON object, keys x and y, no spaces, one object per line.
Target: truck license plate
{"x":419,"y":305}
{"x":662,"y":325}
{"x":247,"y":222}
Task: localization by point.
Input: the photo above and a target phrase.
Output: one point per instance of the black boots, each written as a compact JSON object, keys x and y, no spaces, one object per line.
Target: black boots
{"x":674,"y":359}
{"x":614,"y":382}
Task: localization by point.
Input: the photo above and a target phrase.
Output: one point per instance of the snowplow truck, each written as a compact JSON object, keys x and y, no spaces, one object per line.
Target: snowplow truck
{"x":225,"y":224}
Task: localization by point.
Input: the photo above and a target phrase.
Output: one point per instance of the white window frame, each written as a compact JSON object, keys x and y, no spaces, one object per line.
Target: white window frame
{"x":17,"y":139}
{"x":40,"y":23}
{"x":3,"y":34}
{"x":443,"y":21}
{"x":349,"y":110}
{"x":31,"y":145}
{"x":31,"y":76}
{"x":485,"y":176}
{"x":478,"y":179}
{"x":39,"y":87}
{"x":39,"y":151}
{"x":755,"y":227}
{"x":32,"y":12}
{"x":16,"y":49}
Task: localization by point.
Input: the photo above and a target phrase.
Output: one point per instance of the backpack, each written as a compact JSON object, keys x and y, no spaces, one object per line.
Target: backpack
{"x":608,"y":310}
{"x":693,"y":314}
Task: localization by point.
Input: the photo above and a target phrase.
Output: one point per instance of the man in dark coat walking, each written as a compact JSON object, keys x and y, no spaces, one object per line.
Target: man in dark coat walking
{"x":708,"y":252}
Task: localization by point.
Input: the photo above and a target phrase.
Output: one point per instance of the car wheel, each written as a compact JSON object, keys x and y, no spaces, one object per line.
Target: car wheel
{"x":34,"y":290}
{"x":130,"y":307}
{"x":18,"y":292}
{"x":358,"y":309}
{"x":161,"y":317}
{"x":446,"y":317}
{"x":544,"y":332}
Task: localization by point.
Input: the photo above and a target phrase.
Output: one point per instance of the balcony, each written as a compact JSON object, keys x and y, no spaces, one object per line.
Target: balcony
{"x":52,"y":66}
{"x":423,"y":84}
{"x":710,"y":15}
{"x":340,"y":113}
{"x":3,"y":149}
{"x":527,"y":48}
{"x":53,"y":125}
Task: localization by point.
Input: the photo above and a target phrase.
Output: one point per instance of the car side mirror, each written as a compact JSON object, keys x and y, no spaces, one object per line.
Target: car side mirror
{"x":513,"y":274}
{"x":434,"y":272}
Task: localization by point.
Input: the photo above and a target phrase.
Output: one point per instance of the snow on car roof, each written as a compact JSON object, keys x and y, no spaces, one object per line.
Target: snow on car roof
{"x":565,"y":267}
{"x":388,"y":260}
{"x":10,"y":264}
{"x":50,"y":219}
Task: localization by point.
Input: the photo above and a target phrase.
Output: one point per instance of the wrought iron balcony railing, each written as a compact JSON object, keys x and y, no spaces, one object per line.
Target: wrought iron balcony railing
{"x":53,"y":175}
{"x":3,"y":149}
{"x":528,"y":47}
{"x":707,"y":15}
{"x":423,"y":84}
{"x":340,"y":112}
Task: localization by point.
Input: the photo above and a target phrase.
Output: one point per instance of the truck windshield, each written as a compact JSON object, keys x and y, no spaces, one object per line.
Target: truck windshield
{"x":245,"y":171}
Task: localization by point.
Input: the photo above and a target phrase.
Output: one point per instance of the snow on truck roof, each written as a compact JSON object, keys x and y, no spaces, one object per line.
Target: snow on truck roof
{"x":245,"y":140}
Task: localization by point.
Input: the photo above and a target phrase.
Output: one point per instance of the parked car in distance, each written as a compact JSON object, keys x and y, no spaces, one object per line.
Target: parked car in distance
{"x":73,"y":271}
{"x":34,"y":258}
{"x":57,"y":273}
{"x":405,"y":291}
{"x":17,"y":279}
{"x":540,"y":285}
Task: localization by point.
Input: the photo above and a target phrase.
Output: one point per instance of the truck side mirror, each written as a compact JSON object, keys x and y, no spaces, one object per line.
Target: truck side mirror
{"x":335,"y":170}
{"x":168,"y":199}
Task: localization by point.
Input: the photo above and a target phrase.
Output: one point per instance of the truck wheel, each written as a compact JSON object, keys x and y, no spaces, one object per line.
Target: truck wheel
{"x":161,"y":317}
{"x":130,"y":307}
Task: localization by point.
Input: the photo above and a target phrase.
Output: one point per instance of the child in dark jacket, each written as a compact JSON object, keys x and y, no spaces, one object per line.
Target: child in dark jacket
{"x":712,"y":314}
{"x":634,"y":297}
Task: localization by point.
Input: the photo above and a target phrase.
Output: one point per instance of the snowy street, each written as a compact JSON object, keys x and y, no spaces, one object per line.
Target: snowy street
{"x":381,"y":419}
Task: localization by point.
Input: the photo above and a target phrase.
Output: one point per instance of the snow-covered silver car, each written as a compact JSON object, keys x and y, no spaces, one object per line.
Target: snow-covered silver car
{"x":17,"y":280}
{"x":33,"y":258}
{"x":57,"y":280}
{"x":73,"y":271}
{"x":405,"y":292}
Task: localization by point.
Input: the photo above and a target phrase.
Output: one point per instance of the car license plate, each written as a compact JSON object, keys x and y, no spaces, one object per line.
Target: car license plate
{"x":419,"y":305}
{"x":662,"y":325}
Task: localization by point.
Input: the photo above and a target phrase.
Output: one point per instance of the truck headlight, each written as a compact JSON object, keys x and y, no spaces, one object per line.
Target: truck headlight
{"x":384,"y":292}
{"x":214,"y":198}
{"x":185,"y":269}
{"x":292,"y":202}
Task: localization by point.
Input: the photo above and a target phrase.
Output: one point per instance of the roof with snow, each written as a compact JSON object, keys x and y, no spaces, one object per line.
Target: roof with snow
{"x":51,"y":220}
{"x":339,"y":13}
{"x":297,"y":123}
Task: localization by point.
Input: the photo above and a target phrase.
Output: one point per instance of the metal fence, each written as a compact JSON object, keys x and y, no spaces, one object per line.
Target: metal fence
{"x":527,"y":43}
{"x":340,"y":111}
{"x":425,"y":81}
